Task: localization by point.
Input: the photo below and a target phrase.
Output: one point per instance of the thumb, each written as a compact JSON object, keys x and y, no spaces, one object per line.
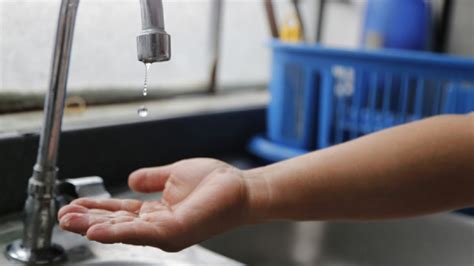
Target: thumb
{"x":148,"y":180}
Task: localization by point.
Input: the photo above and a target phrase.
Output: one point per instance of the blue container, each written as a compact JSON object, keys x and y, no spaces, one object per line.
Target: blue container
{"x":292,"y":109}
{"x":398,"y":24}
{"x":323,"y":96}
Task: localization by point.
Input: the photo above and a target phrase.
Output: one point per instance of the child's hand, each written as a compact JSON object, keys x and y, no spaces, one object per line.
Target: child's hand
{"x":201,"y":197}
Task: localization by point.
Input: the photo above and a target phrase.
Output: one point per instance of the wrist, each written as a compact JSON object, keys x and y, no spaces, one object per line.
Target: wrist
{"x":258,"y":196}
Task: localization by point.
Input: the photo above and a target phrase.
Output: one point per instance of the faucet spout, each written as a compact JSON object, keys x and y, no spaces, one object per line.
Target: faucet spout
{"x":153,"y":43}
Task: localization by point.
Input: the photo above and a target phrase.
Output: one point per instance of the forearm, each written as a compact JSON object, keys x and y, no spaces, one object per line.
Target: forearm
{"x":418,"y":168}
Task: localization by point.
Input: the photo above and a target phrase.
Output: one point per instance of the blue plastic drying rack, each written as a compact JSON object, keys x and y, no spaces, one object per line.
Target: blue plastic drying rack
{"x":323,"y":96}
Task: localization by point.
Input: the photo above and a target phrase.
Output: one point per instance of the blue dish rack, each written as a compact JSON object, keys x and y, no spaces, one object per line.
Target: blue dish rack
{"x":324,"y":96}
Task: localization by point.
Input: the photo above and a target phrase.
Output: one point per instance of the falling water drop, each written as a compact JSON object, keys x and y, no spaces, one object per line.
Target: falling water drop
{"x":145,"y":84}
{"x":143,"y":111}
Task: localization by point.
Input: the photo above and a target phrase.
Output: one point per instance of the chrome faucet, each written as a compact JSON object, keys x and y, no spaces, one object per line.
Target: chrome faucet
{"x":153,"y":45}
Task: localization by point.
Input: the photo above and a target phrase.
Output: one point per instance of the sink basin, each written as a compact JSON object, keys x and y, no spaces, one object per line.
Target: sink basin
{"x":445,"y":239}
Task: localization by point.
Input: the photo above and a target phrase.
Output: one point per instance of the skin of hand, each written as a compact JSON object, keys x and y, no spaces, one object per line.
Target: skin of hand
{"x":418,"y":168}
{"x":201,"y":197}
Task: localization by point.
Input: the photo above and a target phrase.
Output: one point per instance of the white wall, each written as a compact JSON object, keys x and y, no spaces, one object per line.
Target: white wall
{"x":461,"y":37}
{"x":104,"y":50}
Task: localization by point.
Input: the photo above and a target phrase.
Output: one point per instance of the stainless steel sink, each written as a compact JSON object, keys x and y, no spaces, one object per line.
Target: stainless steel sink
{"x":445,"y":239}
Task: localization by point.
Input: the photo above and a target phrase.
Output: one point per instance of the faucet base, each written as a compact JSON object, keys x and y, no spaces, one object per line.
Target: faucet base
{"x":16,"y":251}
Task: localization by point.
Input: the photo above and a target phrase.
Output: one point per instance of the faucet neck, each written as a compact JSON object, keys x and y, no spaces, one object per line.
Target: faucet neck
{"x":55,"y":98}
{"x":152,"y":15}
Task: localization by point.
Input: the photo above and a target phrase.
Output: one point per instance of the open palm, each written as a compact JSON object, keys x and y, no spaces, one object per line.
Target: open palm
{"x":201,"y":197}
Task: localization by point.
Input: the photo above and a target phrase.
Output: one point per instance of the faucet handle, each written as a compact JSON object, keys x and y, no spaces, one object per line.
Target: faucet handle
{"x":73,"y":188}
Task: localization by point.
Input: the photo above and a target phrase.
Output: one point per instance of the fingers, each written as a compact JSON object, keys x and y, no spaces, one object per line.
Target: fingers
{"x":118,"y":225}
{"x":148,"y":180}
{"x":80,"y":222}
{"x":83,"y":213}
{"x":134,"y":232}
{"x":73,"y":208}
{"x":128,"y":205}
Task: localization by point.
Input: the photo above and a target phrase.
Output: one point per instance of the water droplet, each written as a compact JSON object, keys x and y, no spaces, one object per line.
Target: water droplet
{"x":142,"y":111}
